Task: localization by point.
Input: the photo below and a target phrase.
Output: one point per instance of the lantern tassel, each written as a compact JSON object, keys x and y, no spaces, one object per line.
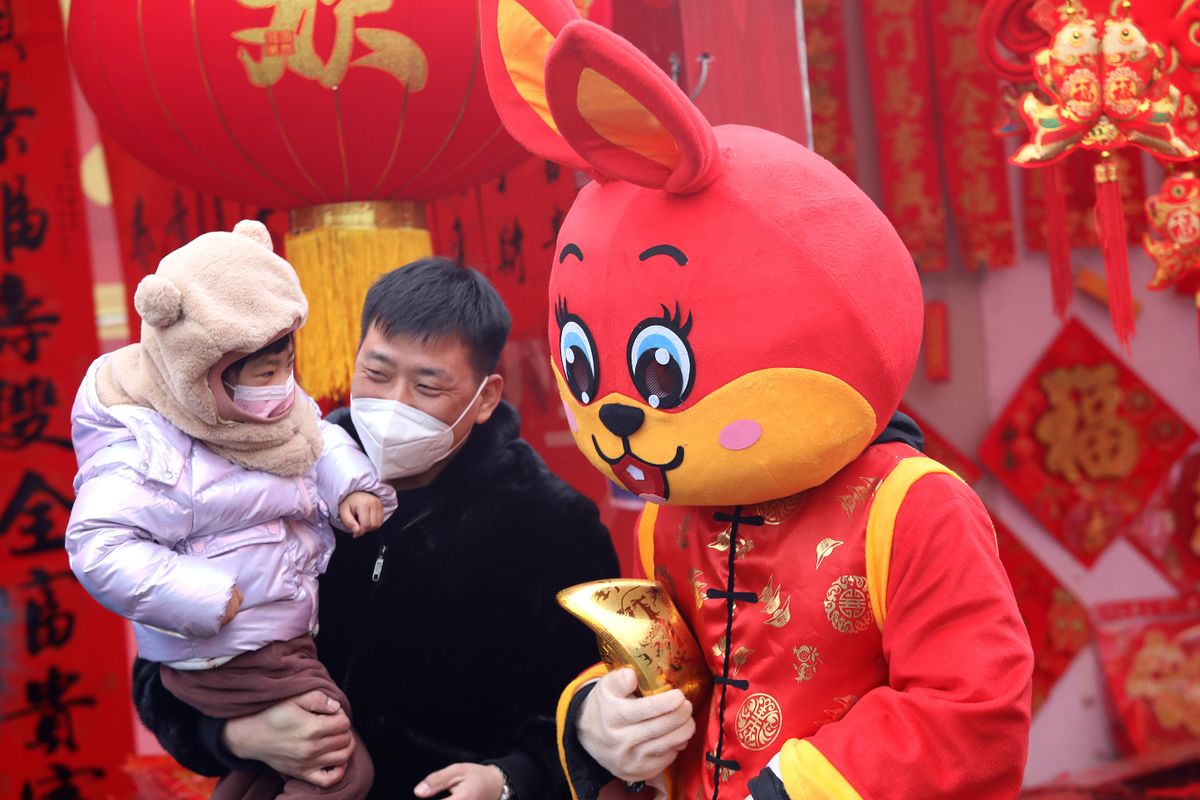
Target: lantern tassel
{"x":1110,"y":228}
{"x":339,"y":250}
{"x":1058,"y":241}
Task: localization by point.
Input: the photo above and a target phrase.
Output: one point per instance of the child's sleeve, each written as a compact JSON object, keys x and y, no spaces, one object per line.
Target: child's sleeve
{"x":953,"y":721}
{"x":343,"y":469}
{"x":119,"y":540}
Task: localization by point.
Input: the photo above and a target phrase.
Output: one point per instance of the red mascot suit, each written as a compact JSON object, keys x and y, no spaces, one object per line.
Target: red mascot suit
{"x":733,"y":324}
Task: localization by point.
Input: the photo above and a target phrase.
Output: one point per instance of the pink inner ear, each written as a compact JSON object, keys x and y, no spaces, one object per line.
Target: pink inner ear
{"x":624,"y":115}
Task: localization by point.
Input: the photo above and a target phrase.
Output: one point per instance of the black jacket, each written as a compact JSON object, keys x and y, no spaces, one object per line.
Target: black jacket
{"x":458,"y":650}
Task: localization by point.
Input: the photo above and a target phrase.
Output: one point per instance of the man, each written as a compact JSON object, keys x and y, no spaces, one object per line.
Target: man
{"x":441,"y":627}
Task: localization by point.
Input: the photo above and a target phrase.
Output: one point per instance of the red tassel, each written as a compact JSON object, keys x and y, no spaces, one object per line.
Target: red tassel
{"x":1110,"y":228}
{"x":1058,"y":240}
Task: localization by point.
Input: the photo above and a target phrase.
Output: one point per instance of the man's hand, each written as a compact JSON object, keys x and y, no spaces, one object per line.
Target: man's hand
{"x":235,"y":605}
{"x":634,"y":738}
{"x":361,"y":512}
{"x":306,"y":737}
{"x":463,"y":782}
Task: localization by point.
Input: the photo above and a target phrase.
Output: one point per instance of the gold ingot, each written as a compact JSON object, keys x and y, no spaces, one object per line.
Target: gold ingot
{"x":637,"y":626}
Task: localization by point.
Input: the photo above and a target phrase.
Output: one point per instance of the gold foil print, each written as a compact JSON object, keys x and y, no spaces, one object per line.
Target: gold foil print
{"x":825,"y":547}
{"x":844,"y":704}
{"x":737,"y":660}
{"x":856,"y":494}
{"x":637,"y":625}
{"x":776,"y":512}
{"x":847,"y":604}
{"x":807,"y":659}
{"x":681,"y":533}
{"x":698,"y":587}
{"x":758,"y":721}
{"x":721,"y":544}
{"x":776,"y":605}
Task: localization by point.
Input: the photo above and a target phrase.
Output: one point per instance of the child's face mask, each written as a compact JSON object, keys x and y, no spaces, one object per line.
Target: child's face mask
{"x":265,"y":401}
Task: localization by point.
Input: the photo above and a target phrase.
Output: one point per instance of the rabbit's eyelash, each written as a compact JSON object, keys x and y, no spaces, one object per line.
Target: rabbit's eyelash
{"x":675,"y":319}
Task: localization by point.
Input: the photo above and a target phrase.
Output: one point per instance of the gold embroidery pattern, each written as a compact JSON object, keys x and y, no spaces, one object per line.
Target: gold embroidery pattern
{"x":698,"y":587}
{"x":807,"y":659}
{"x":847,"y":604}
{"x":776,"y":512}
{"x":1085,"y":436}
{"x":825,"y":547}
{"x":721,"y":544}
{"x":856,"y":494}
{"x":775,"y":604}
{"x":758,"y":722}
{"x":287,"y":43}
{"x":737,"y":660}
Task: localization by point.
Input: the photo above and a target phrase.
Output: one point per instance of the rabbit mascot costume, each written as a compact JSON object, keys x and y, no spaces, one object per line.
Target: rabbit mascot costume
{"x":733,"y":324}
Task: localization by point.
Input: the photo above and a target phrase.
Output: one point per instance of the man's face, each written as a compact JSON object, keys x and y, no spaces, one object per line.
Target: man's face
{"x":435,"y":377}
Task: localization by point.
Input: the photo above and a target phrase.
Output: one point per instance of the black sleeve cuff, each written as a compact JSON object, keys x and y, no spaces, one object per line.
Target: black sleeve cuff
{"x":586,"y":774}
{"x":523,"y":774}
{"x":767,"y":786}
{"x":209,"y":730}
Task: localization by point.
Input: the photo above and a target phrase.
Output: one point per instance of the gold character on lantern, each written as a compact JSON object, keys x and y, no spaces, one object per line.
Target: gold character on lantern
{"x":286,"y":42}
{"x":1084,"y":435}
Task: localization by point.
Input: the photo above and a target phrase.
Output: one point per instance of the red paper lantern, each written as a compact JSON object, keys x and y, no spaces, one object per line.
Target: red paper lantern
{"x":290,"y":103}
{"x":344,"y":112}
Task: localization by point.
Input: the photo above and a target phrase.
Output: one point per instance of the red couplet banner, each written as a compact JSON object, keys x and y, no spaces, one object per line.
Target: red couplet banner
{"x":65,"y":715}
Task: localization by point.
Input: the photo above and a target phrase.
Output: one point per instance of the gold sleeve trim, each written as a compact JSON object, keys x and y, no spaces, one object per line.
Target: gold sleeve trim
{"x":564,"y":703}
{"x":881,"y":525}
{"x":645,"y":539}
{"x":808,"y":775}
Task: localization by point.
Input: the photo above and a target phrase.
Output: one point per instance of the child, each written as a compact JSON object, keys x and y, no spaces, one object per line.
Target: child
{"x":207,"y":486}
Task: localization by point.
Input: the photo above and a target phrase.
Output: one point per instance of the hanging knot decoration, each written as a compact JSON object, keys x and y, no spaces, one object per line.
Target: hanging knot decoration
{"x":1174,"y":215}
{"x":1107,"y":89}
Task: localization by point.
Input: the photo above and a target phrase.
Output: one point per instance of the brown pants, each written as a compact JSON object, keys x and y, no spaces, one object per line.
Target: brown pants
{"x":253,"y":682}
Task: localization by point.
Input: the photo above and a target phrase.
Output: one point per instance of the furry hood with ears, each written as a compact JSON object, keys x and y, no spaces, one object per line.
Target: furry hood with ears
{"x":217,"y":298}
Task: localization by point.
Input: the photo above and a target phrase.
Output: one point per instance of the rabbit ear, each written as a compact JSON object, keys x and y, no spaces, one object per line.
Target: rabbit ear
{"x":624,"y":115}
{"x":516,"y":35}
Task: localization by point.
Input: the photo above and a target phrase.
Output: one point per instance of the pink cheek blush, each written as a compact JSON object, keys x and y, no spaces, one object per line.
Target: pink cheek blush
{"x":572,"y":423}
{"x":740,"y":435}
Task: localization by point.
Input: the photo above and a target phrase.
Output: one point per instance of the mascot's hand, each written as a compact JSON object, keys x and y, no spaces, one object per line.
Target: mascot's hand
{"x":634,"y":738}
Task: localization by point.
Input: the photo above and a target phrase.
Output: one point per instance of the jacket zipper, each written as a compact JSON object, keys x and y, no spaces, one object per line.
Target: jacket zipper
{"x":377,"y":571}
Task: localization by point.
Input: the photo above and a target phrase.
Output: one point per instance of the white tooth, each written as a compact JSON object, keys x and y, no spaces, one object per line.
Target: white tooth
{"x":635,"y":473}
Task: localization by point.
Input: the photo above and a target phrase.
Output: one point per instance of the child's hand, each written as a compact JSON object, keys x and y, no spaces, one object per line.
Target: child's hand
{"x":235,"y":605}
{"x":361,"y":512}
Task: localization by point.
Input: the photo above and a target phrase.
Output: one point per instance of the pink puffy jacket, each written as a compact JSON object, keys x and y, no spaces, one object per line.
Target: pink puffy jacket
{"x":162,"y":529}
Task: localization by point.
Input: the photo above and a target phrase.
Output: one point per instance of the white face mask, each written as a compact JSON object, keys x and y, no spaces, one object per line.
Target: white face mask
{"x":265,"y":401}
{"x":400,"y":440}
